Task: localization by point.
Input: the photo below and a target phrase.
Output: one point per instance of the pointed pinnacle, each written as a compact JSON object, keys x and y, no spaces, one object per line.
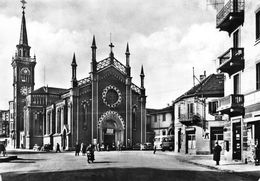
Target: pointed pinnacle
{"x":23,"y":33}
{"x":142,"y":71}
{"x":127,"y":49}
{"x":74,"y":60}
{"x":93,"y":42}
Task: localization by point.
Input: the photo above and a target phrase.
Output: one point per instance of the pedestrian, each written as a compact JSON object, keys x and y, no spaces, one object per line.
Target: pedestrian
{"x":216,"y":153}
{"x":154,"y":149}
{"x":77,"y":149}
{"x":58,"y":148}
{"x":90,"y":153}
{"x":84,"y":149}
{"x":81,"y":147}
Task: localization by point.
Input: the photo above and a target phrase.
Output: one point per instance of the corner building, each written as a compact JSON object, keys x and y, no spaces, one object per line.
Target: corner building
{"x":105,"y":107}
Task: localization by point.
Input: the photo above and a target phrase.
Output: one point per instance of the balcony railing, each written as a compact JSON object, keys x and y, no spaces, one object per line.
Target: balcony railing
{"x":232,"y":105}
{"x":190,"y":119}
{"x":231,"y":15}
{"x":232,"y":61}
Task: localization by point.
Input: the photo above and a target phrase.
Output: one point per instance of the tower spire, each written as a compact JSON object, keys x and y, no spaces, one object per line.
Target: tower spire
{"x":142,"y":77}
{"x":23,"y":33}
{"x":94,"y":49}
{"x":127,"y":54}
{"x":74,"y":72}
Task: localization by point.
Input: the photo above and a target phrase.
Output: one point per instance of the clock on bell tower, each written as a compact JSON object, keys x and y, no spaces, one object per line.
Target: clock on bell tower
{"x":23,"y":80}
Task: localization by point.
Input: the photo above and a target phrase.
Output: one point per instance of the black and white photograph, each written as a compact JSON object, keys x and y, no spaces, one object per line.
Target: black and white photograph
{"x":129,"y":90}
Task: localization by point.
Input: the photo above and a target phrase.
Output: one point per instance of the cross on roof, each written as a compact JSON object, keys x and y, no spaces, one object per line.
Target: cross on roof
{"x":111,"y":46}
{"x":23,"y":2}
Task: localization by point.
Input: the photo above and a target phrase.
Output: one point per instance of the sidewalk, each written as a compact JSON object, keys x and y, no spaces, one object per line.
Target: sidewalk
{"x":237,"y":167}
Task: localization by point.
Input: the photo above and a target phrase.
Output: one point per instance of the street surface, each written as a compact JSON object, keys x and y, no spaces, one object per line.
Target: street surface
{"x":113,"y":165}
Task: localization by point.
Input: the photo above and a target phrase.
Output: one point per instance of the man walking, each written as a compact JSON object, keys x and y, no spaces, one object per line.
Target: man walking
{"x":216,"y":153}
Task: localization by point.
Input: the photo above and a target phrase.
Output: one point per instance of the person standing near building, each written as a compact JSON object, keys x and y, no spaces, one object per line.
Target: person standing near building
{"x":77,"y":149}
{"x":154,"y":149}
{"x":216,"y":153}
{"x":58,"y":148}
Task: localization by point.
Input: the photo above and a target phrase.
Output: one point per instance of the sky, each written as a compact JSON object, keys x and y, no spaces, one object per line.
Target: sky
{"x":167,"y":37}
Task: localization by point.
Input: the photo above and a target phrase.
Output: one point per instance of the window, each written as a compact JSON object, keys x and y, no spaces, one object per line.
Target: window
{"x":258,"y":76}
{"x":257,"y":24}
{"x":213,"y":107}
{"x":190,"y":110}
{"x":236,"y":39}
{"x":134,"y":117}
{"x":179,"y":111}
{"x":163,"y":132}
{"x":236,"y":84}
{"x":164,"y":117}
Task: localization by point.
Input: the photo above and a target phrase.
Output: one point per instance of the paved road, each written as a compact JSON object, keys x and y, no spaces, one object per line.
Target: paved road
{"x":126,"y":165}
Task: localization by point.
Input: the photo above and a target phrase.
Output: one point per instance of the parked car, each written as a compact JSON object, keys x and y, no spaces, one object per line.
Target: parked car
{"x":137,"y":146}
{"x":148,"y":146}
{"x":168,"y":143}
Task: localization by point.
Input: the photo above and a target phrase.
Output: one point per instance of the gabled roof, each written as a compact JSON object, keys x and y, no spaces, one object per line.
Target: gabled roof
{"x":111,"y":61}
{"x":157,"y":111}
{"x":49,"y":90}
{"x":211,"y":86}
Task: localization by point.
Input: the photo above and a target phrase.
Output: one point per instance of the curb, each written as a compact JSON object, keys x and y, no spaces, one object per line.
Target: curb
{"x":219,"y":169}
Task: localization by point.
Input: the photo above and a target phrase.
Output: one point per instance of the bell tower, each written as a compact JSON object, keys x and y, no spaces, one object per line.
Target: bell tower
{"x":23,"y":80}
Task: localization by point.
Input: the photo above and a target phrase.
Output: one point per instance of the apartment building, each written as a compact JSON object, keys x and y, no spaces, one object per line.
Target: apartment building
{"x":197,"y":124}
{"x":240,"y":106}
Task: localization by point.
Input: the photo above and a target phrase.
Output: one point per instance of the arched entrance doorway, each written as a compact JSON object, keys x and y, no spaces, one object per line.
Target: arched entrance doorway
{"x":64,"y":139}
{"x":111,"y":129}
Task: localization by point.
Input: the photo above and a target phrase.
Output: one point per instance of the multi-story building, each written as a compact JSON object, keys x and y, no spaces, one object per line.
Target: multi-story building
{"x":11,"y":125}
{"x":4,"y":123}
{"x":106,"y":107}
{"x":161,"y":121}
{"x":196,"y":122}
{"x":240,"y":63}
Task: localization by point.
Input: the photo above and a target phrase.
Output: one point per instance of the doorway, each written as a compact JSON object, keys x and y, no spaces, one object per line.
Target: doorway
{"x":237,"y":141}
{"x":216,"y":135}
{"x":64,"y":139}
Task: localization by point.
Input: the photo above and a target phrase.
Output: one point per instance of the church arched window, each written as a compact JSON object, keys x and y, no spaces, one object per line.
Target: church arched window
{"x":25,"y":74}
{"x":134,"y":110}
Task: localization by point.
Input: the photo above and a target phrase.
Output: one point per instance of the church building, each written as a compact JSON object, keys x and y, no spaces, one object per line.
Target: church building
{"x":105,"y":107}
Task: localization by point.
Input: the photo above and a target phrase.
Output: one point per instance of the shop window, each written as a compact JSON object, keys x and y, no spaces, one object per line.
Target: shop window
{"x":191,"y":141}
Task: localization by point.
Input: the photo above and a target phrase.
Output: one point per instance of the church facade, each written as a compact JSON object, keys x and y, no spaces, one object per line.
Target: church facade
{"x":105,"y":108}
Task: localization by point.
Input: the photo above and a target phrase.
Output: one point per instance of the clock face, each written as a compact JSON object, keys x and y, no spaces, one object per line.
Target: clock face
{"x":25,"y":71}
{"x":24,"y":90}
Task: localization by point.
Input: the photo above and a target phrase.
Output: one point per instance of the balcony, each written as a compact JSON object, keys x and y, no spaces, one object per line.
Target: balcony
{"x":233,"y":105}
{"x":231,"y":16}
{"x":232,"y":61}
{"x":190,"y":119}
